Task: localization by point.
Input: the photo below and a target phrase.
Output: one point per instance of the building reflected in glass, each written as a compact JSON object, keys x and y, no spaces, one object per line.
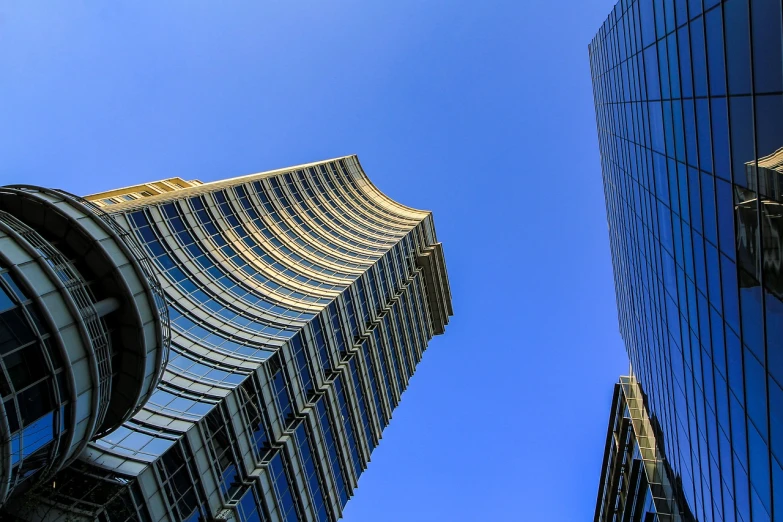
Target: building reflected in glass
{"x":300,"y":302}
{"x":689,"y":107}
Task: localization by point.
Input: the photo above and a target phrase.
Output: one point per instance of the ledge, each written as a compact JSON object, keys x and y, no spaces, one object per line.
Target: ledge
{"x":436,"y":282}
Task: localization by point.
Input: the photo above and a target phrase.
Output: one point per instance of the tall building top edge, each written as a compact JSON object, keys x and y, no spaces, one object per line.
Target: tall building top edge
{"x":418,"y":212}
{"x":196,"y":184}
{"x":184,"y":189}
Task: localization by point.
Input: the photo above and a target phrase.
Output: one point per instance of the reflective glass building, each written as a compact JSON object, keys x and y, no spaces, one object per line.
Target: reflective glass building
{"x":689,"y":108}
{"x":300,"y":302}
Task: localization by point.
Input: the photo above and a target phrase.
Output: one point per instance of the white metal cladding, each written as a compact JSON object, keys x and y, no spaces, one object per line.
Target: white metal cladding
{"x":298,"y":315}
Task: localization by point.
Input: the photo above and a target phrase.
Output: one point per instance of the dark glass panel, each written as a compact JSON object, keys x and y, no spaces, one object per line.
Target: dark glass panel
{"x":705,"y":138}
{"x":648,"y":22}
{"x":35,"y":402}
{"x":777,"y":485}
{"x":742,"y":150}
{"x":683,"y":40}
{"x":734,"y":358}
{"x":759,"y":468}
{"x":774,"y":315}
{"x":756,"y":390}
{"x":730,"y":293}
{"x":772,"y":244}
{"x":5,"y":300}
{"x":748,"y":249}
{"x":25,"y":366}
{"x":689,"y":117}
{"x":725,"y":217}
{"x":713,"y":275}
{"x":769,"y":123}
{"x":776,"y":418}
{"x":10,"y":412}
{"x":752,"y":325}
{"x":15,"y":330}
{"x":656,"y":127}
{"x":737,"y":46}
{"x":699,"y":57}
{"x":715,"y":52}
{"x":664,"y":70}
{"x":767,"y":57}
{"x":708,"y":208}
{"x":720,"y":138}
{"x":681,"y":11}
{"x":14,"y":286}
{"x":674,"y":65}
{"x":661,"y":178}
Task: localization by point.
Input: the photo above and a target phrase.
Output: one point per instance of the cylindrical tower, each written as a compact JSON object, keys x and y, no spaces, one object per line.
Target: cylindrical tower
{"x":84,"y":333}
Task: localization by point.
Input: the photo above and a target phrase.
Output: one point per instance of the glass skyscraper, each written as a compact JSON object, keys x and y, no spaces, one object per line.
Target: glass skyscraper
{"x":689,"y":108}
{"x":299,"y":302}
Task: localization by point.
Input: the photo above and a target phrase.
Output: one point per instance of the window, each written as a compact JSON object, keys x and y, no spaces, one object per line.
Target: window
{"x":255,"y":416}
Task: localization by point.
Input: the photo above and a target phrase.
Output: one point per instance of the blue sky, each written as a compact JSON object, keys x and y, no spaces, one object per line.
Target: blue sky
{"x":479,"y":111}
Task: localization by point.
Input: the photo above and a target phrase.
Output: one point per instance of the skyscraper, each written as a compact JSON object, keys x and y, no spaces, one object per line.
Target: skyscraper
{"x":689,"y":108}
{"x":300,"y":302}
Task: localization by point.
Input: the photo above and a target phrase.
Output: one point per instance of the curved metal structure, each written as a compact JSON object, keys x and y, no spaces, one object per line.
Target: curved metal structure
{"x":83,"y":331}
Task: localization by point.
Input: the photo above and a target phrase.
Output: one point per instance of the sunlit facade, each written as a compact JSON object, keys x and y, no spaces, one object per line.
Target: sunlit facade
{"x":689,"y":108}
{"x":300,"y":302}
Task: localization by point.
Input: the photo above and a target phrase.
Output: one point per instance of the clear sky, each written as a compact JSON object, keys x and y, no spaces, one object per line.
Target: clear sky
{"x":479,"y":111}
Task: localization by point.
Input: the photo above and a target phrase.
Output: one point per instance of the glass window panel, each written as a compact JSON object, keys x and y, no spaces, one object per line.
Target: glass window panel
{"x":647,"y":18}
{"x":690,"y":132}
{"x":730,"y":293}
{"x":683,"y":39}
{"x":752,"y":326}
{"x":767,"y":57}
{"x":759,"y":466}
{"x":720,"y":138}
{"x":25,"y":366}
{"x":703,"y":130}
{"x":755,"y":387}
{"x":708,"y":208}
{"x":694,"y":8}
{"x":725,"y":217}
{"x":5,"y":300}
{"x":715,"y":52}
{"x":651,"y":70}
{"x":699,"y":57}
{"x":776,"y":418}
{"x":774,"y":315}
{"x":769,"y":123}
{"x":738,"y":46}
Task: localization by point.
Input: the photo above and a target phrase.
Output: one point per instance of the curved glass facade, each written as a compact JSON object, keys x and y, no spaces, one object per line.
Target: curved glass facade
{"x":689,"y":107}
{"x":299,"y":310}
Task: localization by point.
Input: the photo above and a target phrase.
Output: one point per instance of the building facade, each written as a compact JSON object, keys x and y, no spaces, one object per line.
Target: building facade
{"x":689,"y":109}
{"x":300,"y":302}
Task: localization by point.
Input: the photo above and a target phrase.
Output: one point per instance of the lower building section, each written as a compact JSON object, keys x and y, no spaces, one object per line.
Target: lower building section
{"x":286,"y":444}
{"x":636,"y":482}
